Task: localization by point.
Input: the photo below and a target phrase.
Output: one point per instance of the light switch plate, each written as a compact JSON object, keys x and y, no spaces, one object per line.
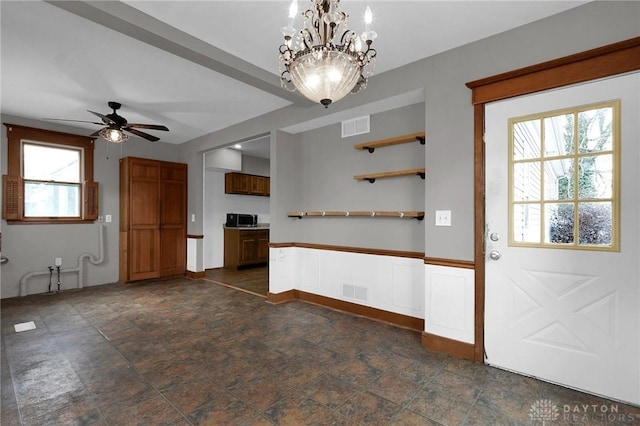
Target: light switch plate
{"x":443,"y":217}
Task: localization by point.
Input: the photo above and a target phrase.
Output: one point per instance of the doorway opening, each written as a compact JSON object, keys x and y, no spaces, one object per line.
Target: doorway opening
{"x":246,"y":158}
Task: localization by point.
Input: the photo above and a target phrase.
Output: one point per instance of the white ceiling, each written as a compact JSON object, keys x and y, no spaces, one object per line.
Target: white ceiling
{"x":200,"y":66}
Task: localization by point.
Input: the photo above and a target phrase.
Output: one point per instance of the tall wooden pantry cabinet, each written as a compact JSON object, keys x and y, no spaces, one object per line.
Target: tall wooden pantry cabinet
{"x":153,"y":219}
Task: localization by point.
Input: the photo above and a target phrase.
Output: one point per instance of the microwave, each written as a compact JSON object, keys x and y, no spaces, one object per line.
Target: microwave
{"x":239,"y":220}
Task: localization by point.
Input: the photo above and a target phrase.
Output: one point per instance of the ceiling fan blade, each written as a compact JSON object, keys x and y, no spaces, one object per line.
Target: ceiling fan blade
{"x":148,"y":126}
{"x":75,"y":121}
{"x":106,"y":119}
{"x":141,"y":134}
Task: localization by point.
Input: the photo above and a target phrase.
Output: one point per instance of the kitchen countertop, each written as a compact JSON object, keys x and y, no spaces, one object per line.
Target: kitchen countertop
{"x":261,"y":226}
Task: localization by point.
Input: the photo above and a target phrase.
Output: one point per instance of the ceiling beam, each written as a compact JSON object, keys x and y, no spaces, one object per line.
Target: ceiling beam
{"x":130,"y":21}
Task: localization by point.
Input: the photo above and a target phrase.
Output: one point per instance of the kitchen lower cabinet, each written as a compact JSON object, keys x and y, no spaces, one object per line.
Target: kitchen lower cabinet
{"x":244,"y":247}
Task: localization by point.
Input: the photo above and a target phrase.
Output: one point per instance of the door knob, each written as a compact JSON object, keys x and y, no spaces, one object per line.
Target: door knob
{"x":494,"y":255}
{"x":494,"y":236}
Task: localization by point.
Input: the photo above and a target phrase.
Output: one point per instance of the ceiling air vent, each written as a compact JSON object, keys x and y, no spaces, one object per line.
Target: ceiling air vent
{"x":355,"y":126}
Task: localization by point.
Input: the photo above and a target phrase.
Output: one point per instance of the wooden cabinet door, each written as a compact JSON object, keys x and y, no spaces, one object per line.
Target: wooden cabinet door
{"x":241,"y":183}
{"x":237,"y":183}
{"x":173,"y":219}
{"x":144,"y":193}
{"x":144,"y":254}
{"x":263,"y":246}
{"x":173,"y":252}
{"x":259,"y":185}
{"x":153,"y":199}
{"x":248,"y":245}
{"x":144,"y":219}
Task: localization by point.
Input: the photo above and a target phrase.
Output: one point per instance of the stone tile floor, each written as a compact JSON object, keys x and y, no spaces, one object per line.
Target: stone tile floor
{"x":182,"y":352}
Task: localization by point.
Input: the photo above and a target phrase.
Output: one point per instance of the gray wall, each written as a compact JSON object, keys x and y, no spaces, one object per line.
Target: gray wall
{"x":284,"y":191}
{"x":256,"y":166}
{"x":448,"y":156}
{"x":34,"y":247}
{"x":448,"y":115}
{"x":325,"y":182}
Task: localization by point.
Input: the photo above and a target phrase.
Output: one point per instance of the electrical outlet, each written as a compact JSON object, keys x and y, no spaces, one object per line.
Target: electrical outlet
{"x":58,"y":261}
{"x":193,"y":218}
{"x":443,"y":217}
{"x":108,"y":218}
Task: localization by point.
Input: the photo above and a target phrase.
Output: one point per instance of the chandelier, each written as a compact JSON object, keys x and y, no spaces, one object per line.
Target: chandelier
{"x":113,"y":135}
{"x":325,"y":60}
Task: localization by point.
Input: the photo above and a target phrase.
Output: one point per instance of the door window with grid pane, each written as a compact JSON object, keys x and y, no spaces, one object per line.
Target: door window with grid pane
{"x":563,"y":180}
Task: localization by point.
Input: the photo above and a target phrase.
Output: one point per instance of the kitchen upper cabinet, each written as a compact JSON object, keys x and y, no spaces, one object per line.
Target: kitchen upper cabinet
{"x":153,"y":199}
{"x":260,"y":185}
{"x":242,"y":183}
{"x":237,"y":183}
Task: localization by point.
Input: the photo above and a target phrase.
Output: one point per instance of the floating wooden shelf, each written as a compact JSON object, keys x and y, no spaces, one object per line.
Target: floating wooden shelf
{"x":371,"y":146}
{"x":408,"y":214}
{"x":371,"y":177}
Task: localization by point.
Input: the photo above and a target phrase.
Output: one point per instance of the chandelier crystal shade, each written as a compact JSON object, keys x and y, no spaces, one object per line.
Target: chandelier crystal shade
{"x":325,"y":60}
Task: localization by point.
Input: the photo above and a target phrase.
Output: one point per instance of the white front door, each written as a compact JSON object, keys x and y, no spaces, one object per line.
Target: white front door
{"x":564,"y":315}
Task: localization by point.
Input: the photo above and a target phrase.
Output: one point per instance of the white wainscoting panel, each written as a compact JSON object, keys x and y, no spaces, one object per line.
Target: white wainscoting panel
{"x":192,"y":255}
{"x":449,"y":302}
{"x":282,"y":269}
{"x":408,"y":296}
{"x":309,"y":279}
{"x":390,"y":283}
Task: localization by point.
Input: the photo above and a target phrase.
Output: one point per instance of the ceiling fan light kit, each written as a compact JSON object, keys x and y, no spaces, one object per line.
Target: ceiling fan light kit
{"x":113,"y":135}
{"x":325,"y":60}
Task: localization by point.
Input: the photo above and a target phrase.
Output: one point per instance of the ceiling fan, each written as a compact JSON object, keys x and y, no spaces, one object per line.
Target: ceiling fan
{"x":116,"y":124}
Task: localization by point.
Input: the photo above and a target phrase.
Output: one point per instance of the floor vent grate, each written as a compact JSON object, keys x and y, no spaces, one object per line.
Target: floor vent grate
{"x":354,"y":291}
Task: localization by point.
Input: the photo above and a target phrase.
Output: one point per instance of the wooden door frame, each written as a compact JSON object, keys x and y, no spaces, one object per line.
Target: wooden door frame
{"x":614,"y":59}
